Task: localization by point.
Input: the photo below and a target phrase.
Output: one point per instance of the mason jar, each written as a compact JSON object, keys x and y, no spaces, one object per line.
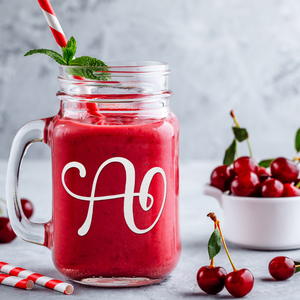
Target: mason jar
{"x":115,"y":180}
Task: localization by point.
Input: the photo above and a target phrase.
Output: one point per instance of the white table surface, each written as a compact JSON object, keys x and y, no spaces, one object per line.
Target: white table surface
{"x":35,"y":184}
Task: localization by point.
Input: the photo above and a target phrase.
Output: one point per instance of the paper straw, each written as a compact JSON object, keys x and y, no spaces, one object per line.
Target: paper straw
{"x":21,"y":283}
{"x":39,"y":279}
{"x":61,"y":41}
{"x":53,"y":23}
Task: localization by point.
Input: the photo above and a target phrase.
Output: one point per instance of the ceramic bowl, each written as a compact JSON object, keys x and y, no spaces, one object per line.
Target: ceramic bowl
{"x":259,"y":223}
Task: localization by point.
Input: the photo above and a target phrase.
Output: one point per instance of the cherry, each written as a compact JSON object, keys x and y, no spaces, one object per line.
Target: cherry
{"x":211,"y":280}
{"x":262,"y":174}
{"x":285,"y":170}
{"x":272,"y":188}
{"x":239,"y":283}
{"x":6,"y":232}
{"x":281,"y":268}
{"x":263,"y":177}
{"x":246,"y":184}
{"x":245,"y":164}
{"x":221,"y":177}
{"x":290,"y":190}
{"x":27,"y":207}
{"x":262,"y":171}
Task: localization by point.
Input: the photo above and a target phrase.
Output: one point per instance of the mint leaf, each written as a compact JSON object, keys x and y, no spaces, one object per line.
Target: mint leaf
{"x":53,"y":54}
{"x":85,"y":61}
{"x":266,"y":163}
{"x":70,"y":50}
{"x":230,"y":154}
{"x":214,"y":244}
{"x":240,"y":134}
{"x":297,"y":264}
{"x":297,"y":141}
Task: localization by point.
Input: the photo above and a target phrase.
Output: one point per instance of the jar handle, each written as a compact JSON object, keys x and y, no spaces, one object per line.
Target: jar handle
{"x":36,"y":233}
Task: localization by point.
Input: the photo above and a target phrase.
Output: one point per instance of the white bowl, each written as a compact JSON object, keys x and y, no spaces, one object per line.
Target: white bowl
{"x":259,"y":223}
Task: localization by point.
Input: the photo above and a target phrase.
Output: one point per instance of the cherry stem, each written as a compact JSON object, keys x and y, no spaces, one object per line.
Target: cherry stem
{"x":297,"y":266}
{"x":217,"y":223}
{"x":238,"y":125}
{"x":298,"y":185}
{"x":296,"y":159}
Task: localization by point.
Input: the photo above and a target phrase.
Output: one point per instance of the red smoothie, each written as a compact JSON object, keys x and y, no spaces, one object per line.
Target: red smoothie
{"x":115,"y":196}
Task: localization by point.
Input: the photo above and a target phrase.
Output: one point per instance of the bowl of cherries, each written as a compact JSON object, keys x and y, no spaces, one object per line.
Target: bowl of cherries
{"x":260,"y":201}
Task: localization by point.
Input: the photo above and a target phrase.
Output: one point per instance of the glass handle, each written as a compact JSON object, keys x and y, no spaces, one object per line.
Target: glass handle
{"x":36,"y":233}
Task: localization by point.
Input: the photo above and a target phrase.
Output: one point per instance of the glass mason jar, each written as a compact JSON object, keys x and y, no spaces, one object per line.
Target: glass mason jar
{"x":114,"y":149}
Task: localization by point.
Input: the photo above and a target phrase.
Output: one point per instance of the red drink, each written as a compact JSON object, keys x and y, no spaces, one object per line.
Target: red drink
{"x":110,"y":247}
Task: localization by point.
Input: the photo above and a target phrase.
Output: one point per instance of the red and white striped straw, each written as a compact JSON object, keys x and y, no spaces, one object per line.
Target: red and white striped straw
{"x":61,"y":41}
{"x":39,"y":279}
{"x":53,"y":23}
{"x":21,"y":283}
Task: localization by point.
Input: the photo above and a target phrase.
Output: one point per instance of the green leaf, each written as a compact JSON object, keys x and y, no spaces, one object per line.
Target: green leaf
{"x":240,"y":134}
{"x":297,"y":269}
{"x":53,"y":54}
{"x":297,"y":141}
{"x":70,"y":50}
{"x":266,"y":163}
{"x":85,"y":61}
{"x":214,"y":243}
{"x":230,"y":154}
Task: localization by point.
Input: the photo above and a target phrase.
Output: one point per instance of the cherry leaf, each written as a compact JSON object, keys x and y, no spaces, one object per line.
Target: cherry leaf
{"x":214,"y":243}
{"x":230,"y":154}
{"x":240,"y":134}
{"x":266,"y":163}
{"x":297,"y":141}
{"x":297,"y":269}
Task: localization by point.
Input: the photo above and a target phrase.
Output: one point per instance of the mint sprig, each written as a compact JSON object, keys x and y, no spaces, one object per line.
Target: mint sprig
{"x":78,"y":66}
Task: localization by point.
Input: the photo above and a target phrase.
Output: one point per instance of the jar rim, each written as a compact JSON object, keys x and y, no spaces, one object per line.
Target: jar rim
{"x":117,"y":81}
{"x":127,"y":68}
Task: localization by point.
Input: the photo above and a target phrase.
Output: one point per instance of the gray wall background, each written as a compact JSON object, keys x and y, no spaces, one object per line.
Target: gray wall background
{"x":233,"y":54}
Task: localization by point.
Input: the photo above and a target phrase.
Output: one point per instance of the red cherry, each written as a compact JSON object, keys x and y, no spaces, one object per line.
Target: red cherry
{"x":245,"y":164}
{"x":290,"y":190}
{"x":262,"y":174}
{"x":239,"y":283}
{"x":272,"y":188}
{"x":6,"y":232}
{"x":281,"y":268}
{"x":246,"y":185}
{"x":263,"y":178}
{"x":211,"y":280}
{"x":27,"y":207}
{"x":285,"y":170}
{"x":221,"y":177}
{"x":262,"y":171}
